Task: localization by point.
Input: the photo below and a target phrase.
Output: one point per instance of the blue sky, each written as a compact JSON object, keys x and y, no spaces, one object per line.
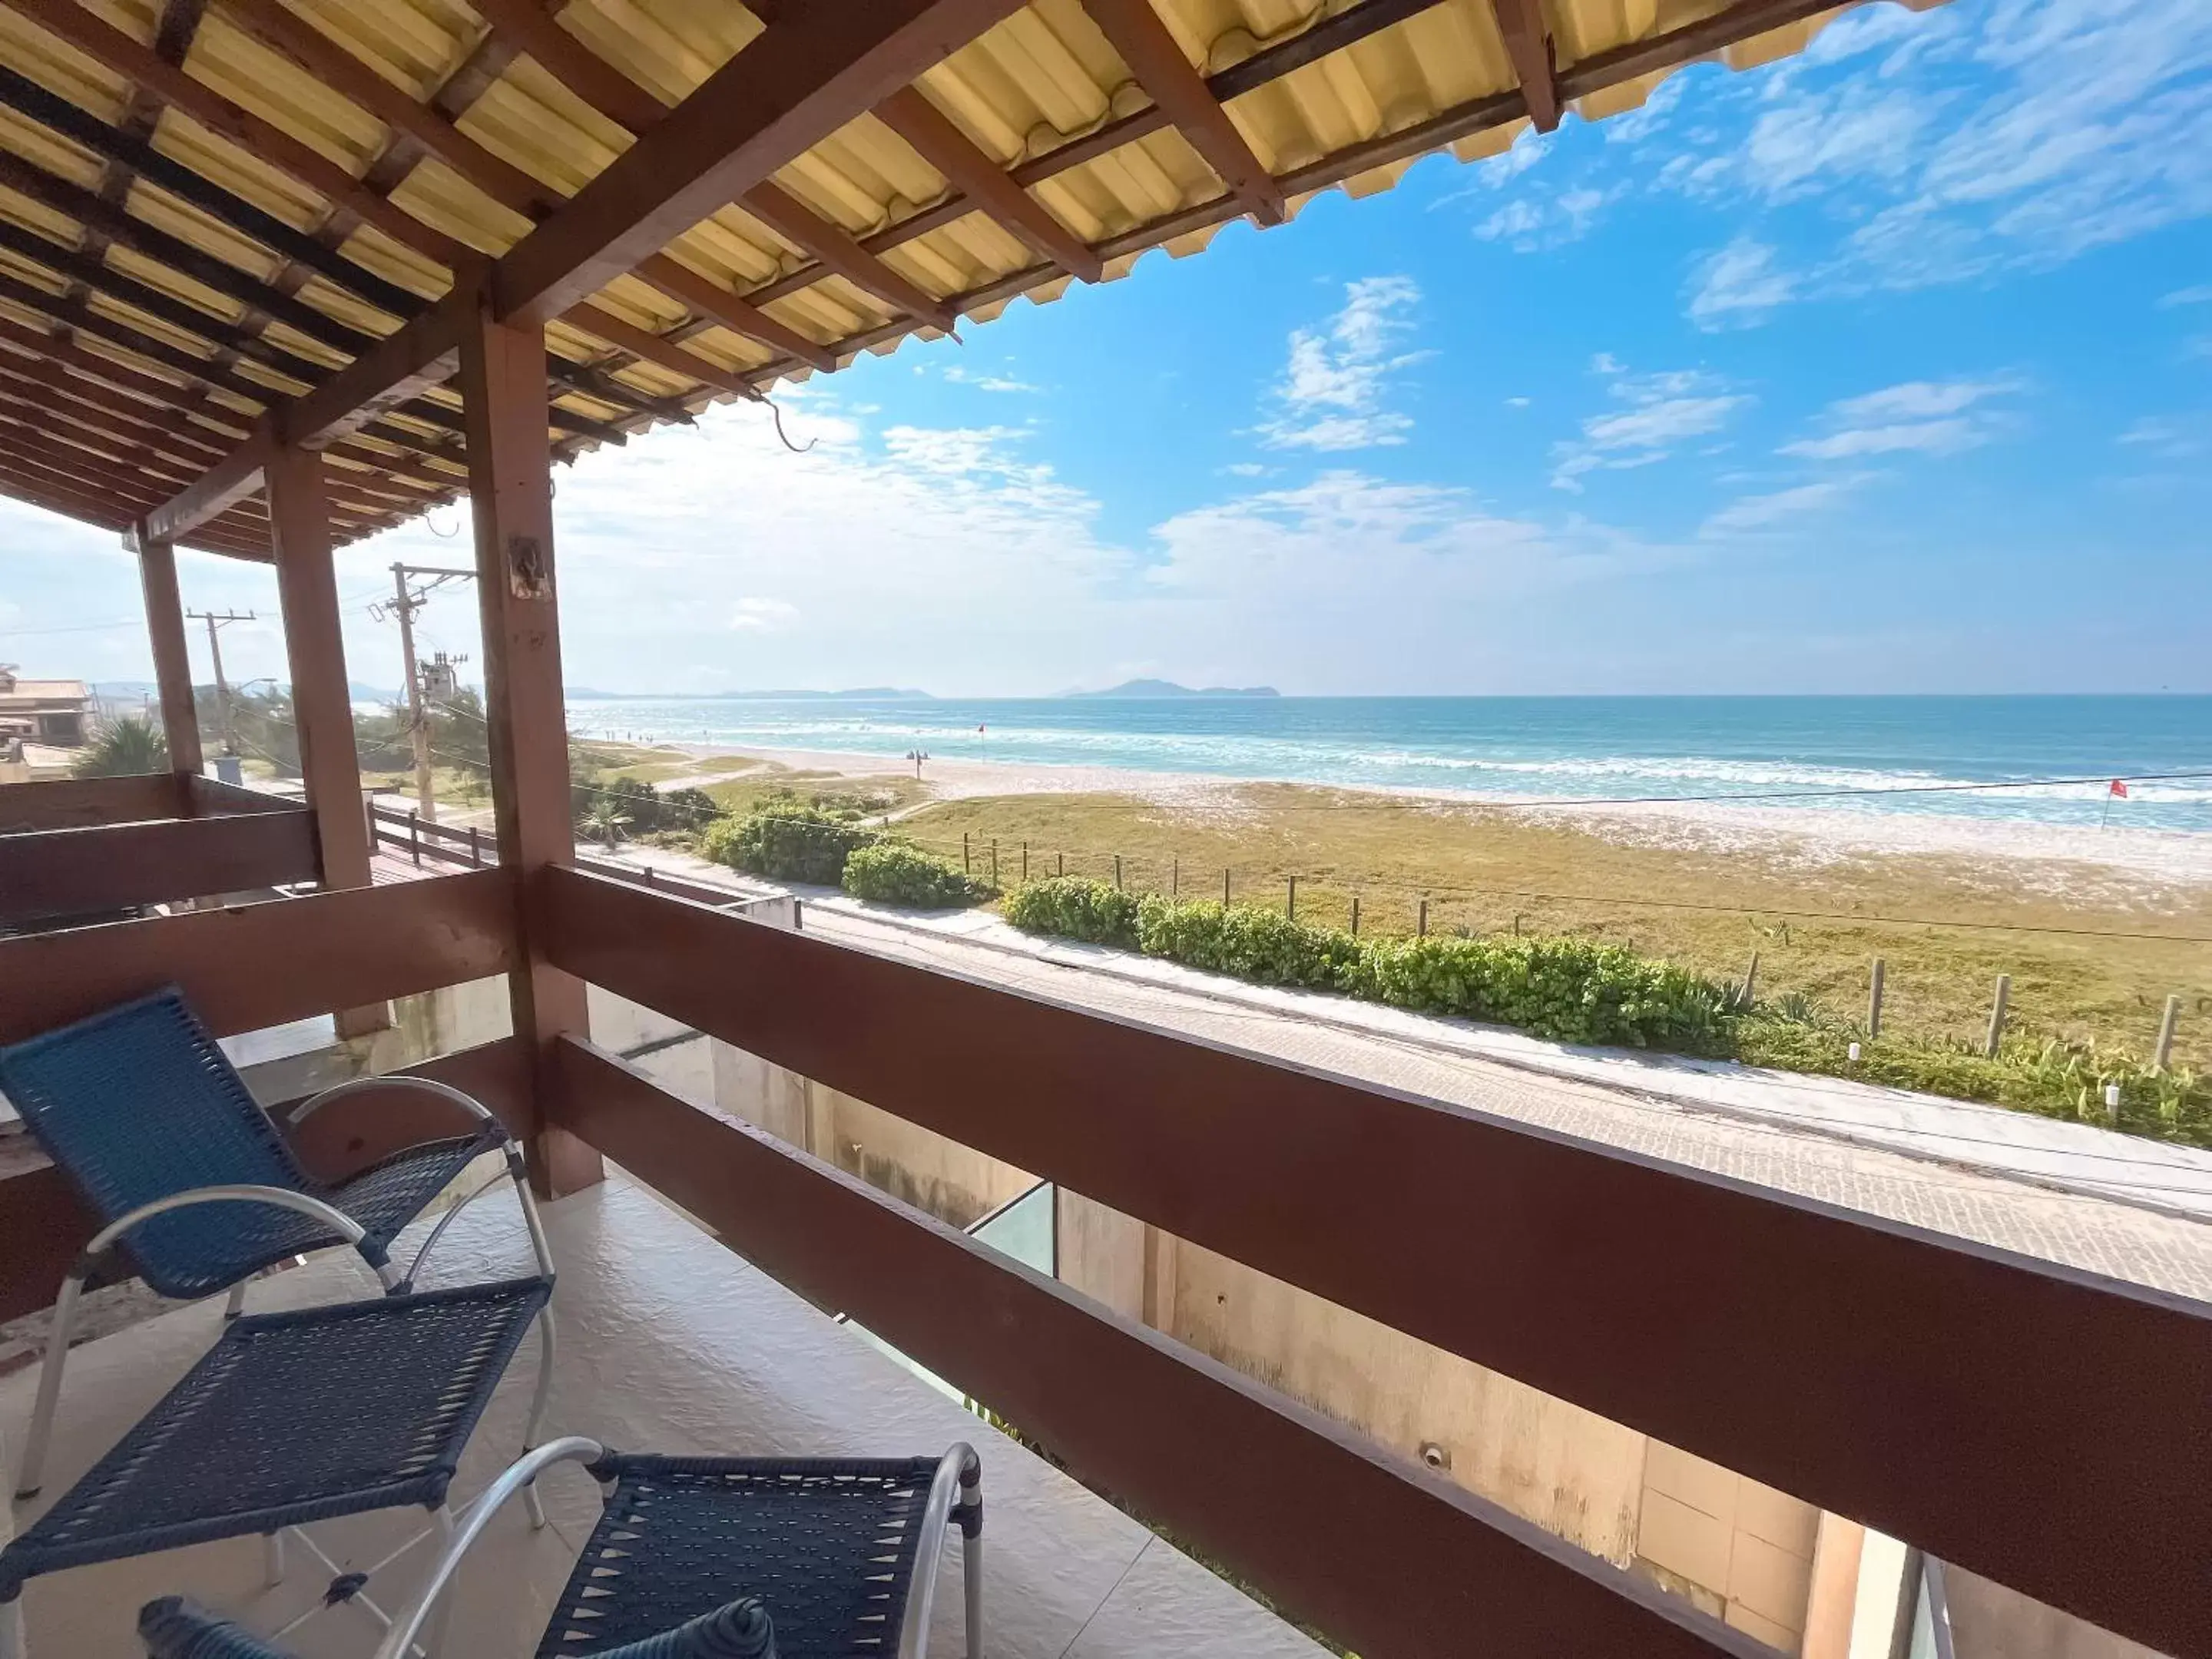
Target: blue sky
{"x":1885,"y":368}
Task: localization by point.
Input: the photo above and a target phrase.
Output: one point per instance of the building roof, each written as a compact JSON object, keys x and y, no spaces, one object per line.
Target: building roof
{"x":208,"y":208}
{"x":16,"y":693}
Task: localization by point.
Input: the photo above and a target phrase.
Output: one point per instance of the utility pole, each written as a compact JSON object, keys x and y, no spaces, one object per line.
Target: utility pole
{"x":405,"y":602}
{"x":214,"y":620}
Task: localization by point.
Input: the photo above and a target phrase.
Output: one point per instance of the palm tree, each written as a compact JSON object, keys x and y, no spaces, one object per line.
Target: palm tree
{"x":605,"y":819}
{"x":128,"y":744}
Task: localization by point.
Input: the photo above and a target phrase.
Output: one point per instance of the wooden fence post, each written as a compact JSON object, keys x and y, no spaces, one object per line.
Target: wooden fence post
{"x":1998,"y":1015}
{"x":1873,"y":999}
{"x":967,"y":865}
{"x":1355,"y":916}
{"x":1421,"y":924}
{"x":995,"y":861}
{"x":1026,"y":864}
{"x":1224,"y":888}
{"x":2163,"y":1055}
{"x":1174,"y":877}
{"x":1290,"y":909}
{"x":1117,"y":872}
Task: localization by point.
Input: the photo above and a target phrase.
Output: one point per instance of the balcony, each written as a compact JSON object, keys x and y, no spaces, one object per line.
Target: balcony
{"x":1930,"y":1388}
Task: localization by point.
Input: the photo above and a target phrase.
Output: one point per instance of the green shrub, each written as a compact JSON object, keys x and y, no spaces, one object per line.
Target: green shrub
{"x":2053,"y":1077}
{"x":1567,"y":990}
{"x":1075,"y":906}
{"x":896,"y":872}
{"x":1248,"y":941}
{"x":788,"y":843}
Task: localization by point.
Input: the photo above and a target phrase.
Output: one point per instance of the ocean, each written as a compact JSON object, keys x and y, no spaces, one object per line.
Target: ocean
{"x":1886,"y":755}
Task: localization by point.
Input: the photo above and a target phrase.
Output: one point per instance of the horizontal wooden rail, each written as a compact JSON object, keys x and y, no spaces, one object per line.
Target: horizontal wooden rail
{"x":79,"y":872}
{"x":2039,"y":1426}
{"x":78,"y":803}
{"x":44,"y":1225}
{"x":254,"y":965}
{"x":1380,"y":1554}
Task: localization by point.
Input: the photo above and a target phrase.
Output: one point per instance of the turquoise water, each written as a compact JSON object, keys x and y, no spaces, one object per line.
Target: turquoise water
{"x":1791,"y":751}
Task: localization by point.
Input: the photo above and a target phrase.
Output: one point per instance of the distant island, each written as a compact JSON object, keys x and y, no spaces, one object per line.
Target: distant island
{"x":1170,"y":688}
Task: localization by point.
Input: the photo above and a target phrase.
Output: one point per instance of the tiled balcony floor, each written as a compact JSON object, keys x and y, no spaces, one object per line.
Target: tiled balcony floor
{"x":668,"y":1342}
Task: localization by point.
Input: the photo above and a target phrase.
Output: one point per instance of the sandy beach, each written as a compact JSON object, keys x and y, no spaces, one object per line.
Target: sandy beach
{"x":2117,"y":865}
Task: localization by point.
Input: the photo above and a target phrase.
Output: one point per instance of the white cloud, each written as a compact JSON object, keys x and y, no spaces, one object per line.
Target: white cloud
{"x":1361,"y":546}
{"x":2170,"y":437}
{"x":1517,"y":403}
{"x":1538,"y":225}
{"x":1662,"y":411}
{"x":1331,"y":397}
{"x":1747,"y":514}
{"x":1950,"y":144}
{"x":2187,"y":296}
{"x":1927,"y":417}
{"x":961,"y":376}
{"x":761,"y":616}
{"x":1739,"y":285}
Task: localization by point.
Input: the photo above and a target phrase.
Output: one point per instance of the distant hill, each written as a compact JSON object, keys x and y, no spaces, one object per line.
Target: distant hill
{"x":1170,"y":688}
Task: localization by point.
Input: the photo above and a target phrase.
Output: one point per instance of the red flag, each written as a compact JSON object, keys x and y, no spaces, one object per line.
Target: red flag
{"x":2119,"y":788}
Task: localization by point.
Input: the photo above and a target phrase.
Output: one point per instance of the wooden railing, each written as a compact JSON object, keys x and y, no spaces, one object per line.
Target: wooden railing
{"x":76,"y":847}
{"x":2041,"y":1427}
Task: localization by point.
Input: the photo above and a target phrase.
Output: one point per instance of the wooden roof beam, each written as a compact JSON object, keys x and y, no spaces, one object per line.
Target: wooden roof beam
{"x":118,"y":53}
{"x":291,"y":36}
{"x":643,"y":343}
{"x":805,"y":76}
{"x":792,"y":220}
{"x":1529,"y":44}
{"x":710,"y":299}
{"x":132,"y":154}
{"x":984,"y":182}
{"x":75,"y":314}
{"x":84,"y":401}
{"x":1135,"y":31}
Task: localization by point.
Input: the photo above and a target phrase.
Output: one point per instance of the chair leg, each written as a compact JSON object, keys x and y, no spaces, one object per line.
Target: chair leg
{"x":272,"y":1558}
{"x":433,"y":1639}
{"x":519,"y":1172}
{"x":971,"y":1556}
{"x":31,"y":1475}
{"x":236,"y":1305}
{"x":530,"y":1502}
{"x":11,"y":1630}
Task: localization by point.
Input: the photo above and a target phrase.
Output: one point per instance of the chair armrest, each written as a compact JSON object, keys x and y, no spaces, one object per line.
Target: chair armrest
{"x":741,"y":1630}
{"x":570,"y":1449}
{"x":282,"y":1198}
{"x":469,"y":1103}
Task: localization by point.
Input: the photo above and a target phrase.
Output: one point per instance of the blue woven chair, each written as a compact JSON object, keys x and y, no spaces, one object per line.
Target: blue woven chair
{"x":842,"y":1552}
{"x":195,"y":1186}
{"x":293,"y":1419}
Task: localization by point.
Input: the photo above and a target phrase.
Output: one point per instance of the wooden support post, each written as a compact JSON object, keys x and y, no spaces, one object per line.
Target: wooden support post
{"x":510,"y":501}
{"x":173,"y":668}
{"x":1421,"y":920}
{"x":995,"y":861}
{"x":1873,"y":999}
{"x":322,"y":706}
{"x":1750,"y":983}
{"x":1117,"y":872}
{"x":1290,"y":907}
{"x":1355,"y":916}
{"x":1225,"y":889}
{"x":1174,"y":877}
{"x":967,"y":864}
{"x":1061,"y":868}
{"x":1026,"y":864}
{"x":1998,"y":1015}
{"x":2162,"y":1056}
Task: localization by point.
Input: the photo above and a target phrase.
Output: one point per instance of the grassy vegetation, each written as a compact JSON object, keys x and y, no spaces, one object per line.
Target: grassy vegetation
{"x":1941,"y":970}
